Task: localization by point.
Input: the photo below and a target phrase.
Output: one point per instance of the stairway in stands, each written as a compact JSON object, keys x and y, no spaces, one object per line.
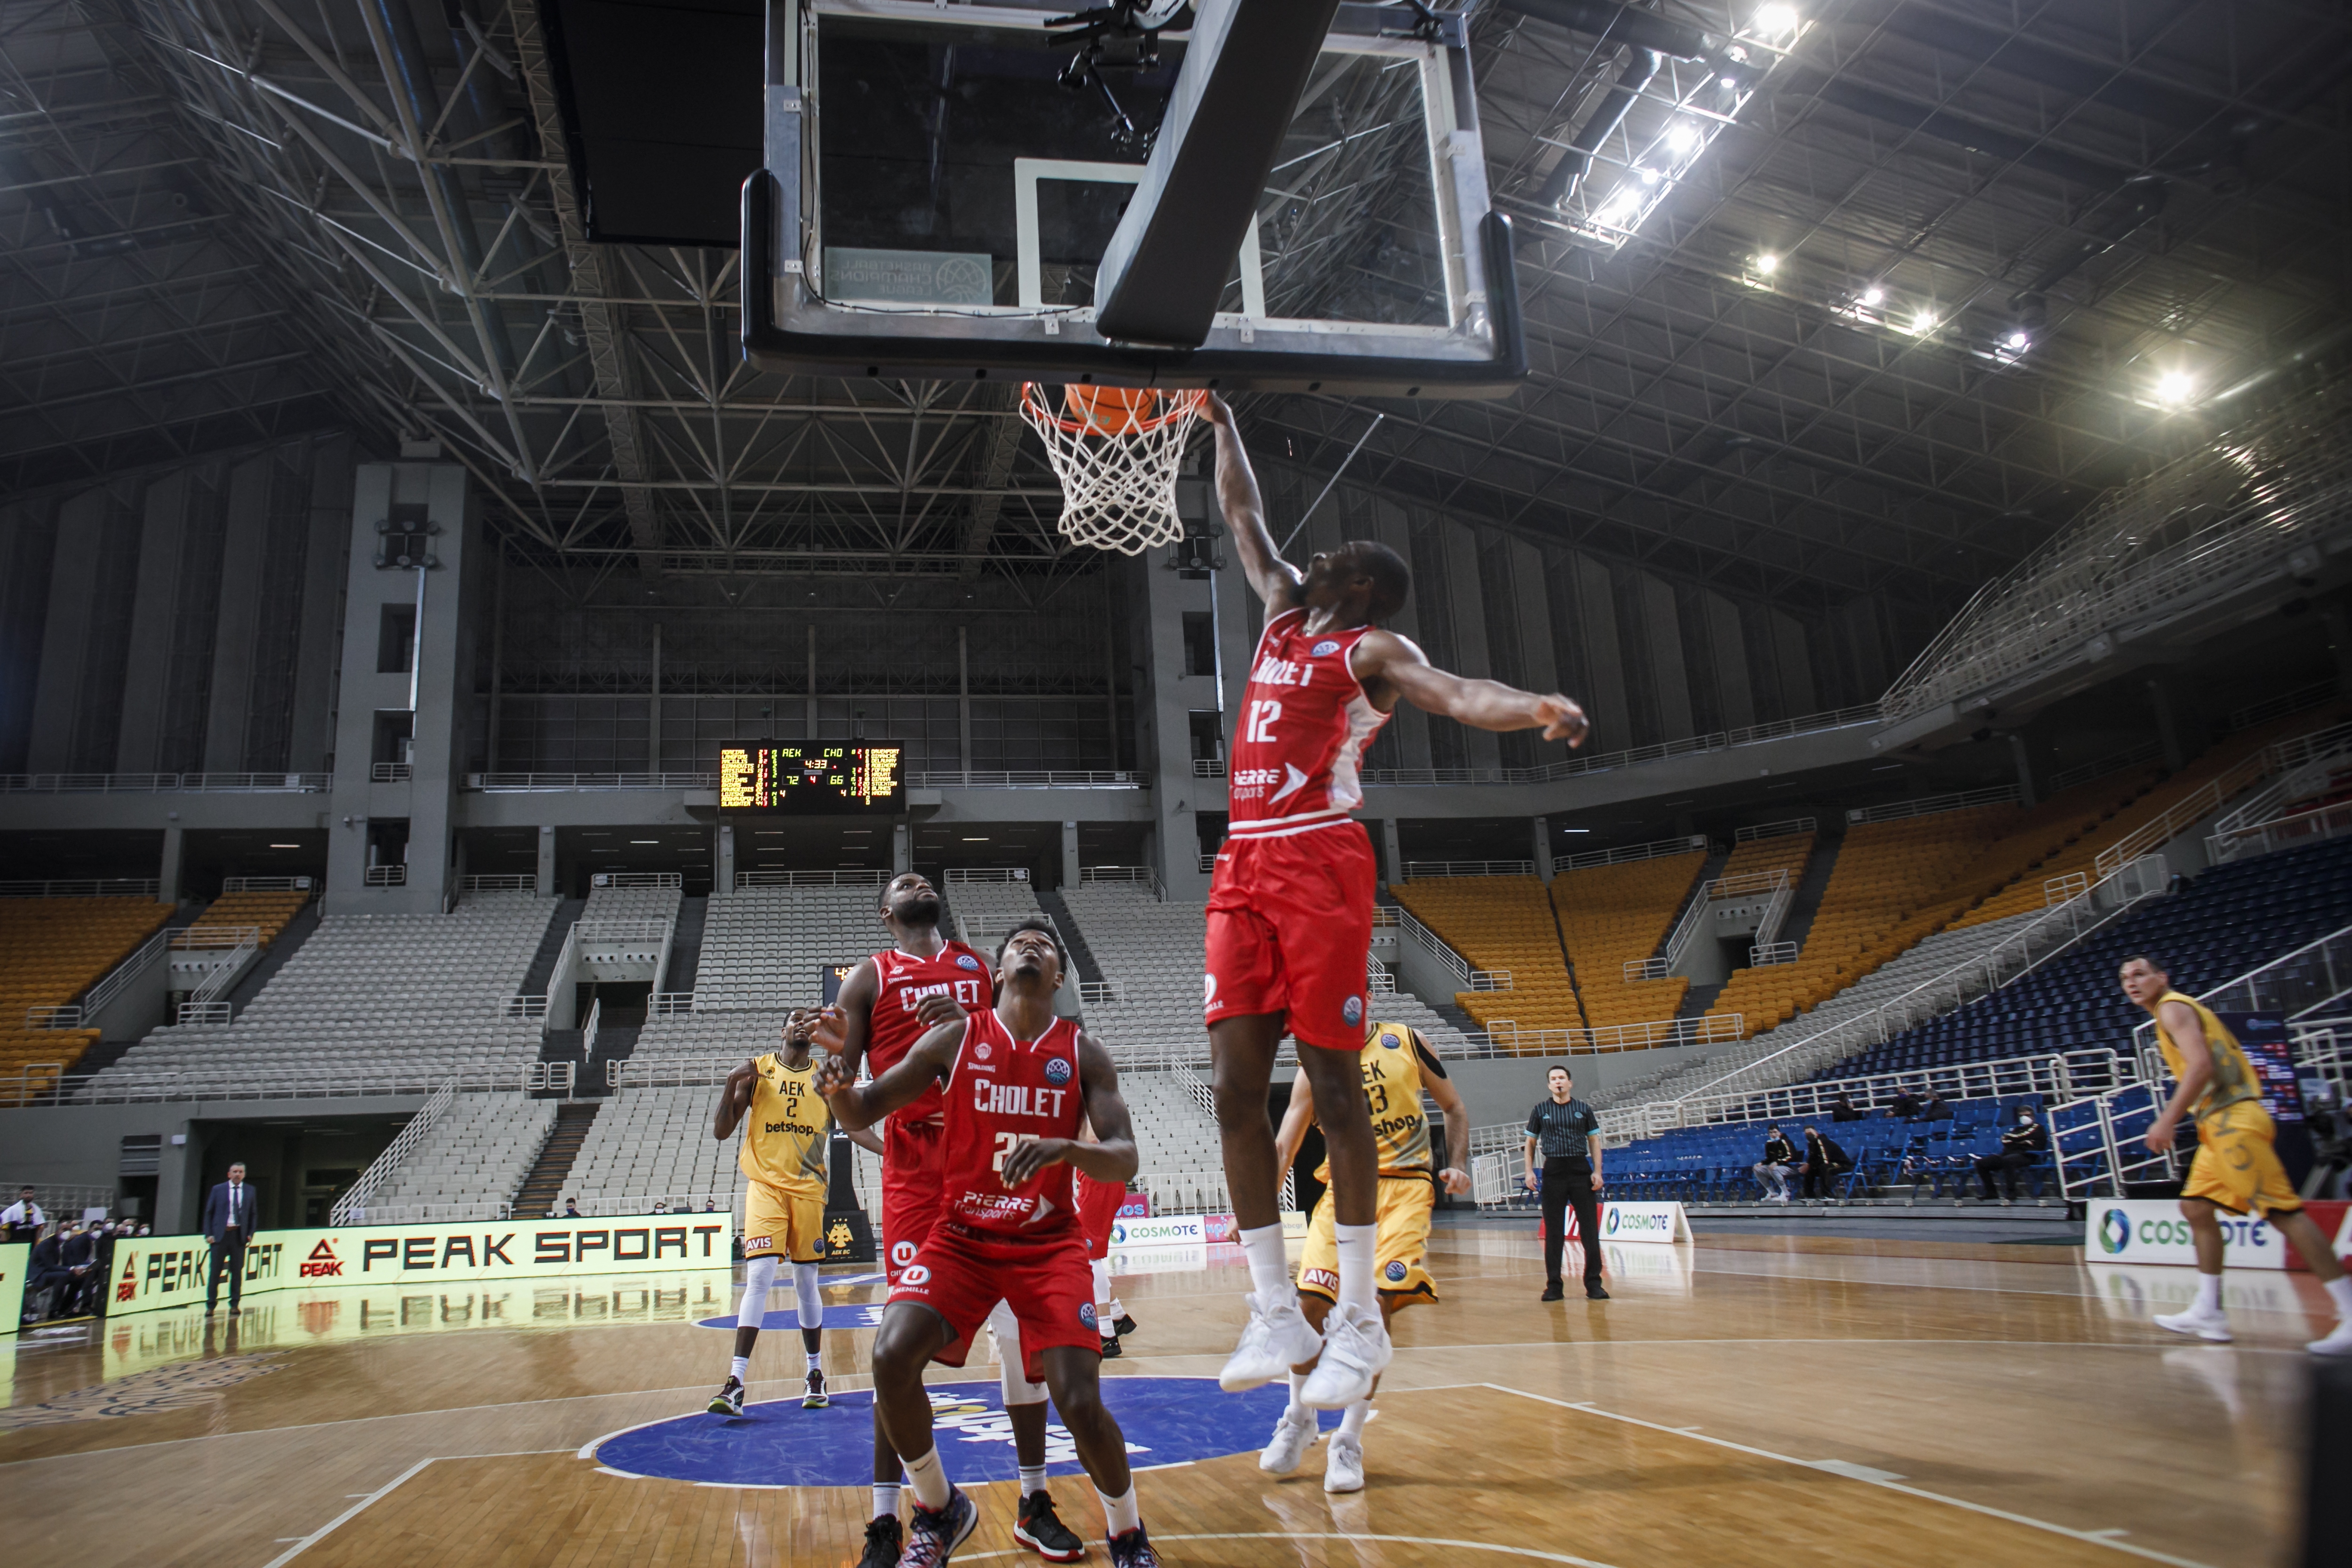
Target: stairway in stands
{"x":685,"y":945}
{"x":1058,"y":911}
{"x":1805,"y":899}
{"x":543,"y":1190}
{"x":550,"y":946}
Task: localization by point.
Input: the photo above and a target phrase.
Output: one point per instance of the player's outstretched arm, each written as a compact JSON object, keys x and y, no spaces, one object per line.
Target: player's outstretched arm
{"x":734,"y":1100}
{"x":1293,"y":1131}
{"x":1275,"y":579}
{"x":1111,"y":1158}
{"x":856,"y":1108}
{"x":1383,"y":656}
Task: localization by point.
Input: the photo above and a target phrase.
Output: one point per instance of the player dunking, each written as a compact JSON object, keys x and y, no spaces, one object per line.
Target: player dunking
{"x":782,"y":1160}
{"x":886,"y":1005}
{"x":1020,"y":1083}
{"x":1290,"y":907}
{"x":1396,"y":1065}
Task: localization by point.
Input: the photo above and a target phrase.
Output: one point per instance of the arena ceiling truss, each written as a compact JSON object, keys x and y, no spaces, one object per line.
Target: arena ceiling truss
{"x":1908,"y":313}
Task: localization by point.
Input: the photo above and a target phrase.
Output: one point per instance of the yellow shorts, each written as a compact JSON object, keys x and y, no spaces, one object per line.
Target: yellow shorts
{"x":2237,"y":1165}
{"x":775,"y":1220}
{"x":1403,"y":1235}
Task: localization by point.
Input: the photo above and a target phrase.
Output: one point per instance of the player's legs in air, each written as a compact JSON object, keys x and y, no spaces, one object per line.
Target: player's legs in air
{"x":1289,"y":931}
{"x":1405,"y":1207}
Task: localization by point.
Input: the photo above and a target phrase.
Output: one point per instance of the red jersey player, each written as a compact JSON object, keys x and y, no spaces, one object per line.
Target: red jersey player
{"x":886,"y":1005}
{"x":1019,"y":1084}
{"x":1290,"y":907}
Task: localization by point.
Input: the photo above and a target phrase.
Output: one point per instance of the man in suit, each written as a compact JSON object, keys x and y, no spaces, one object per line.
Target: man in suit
{"x":81,"y":1256}
{"x":228,"y":1226}
{"x":45,"y":1270}
{"x":1825,"y":1162}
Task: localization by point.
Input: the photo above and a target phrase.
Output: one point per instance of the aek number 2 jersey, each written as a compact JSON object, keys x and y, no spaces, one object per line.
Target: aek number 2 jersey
{"x":1305,"y":723}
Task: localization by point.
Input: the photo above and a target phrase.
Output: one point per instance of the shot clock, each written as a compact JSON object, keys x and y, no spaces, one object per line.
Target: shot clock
{"x":811,"y":779}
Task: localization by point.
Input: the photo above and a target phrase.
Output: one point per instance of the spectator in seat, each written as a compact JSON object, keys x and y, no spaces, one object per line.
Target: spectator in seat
{"x":2020,"y":1146}
{"x":1772,"y":1171}
{"x":1825,"y":1162}
{"x":1905,"y":1108}
{"x":22,"y":1219}
{"x":46,"y":1271}
{"x":1844,"y":1110}
{"x":1936,"y":1109}
{"x":571,"y":1209}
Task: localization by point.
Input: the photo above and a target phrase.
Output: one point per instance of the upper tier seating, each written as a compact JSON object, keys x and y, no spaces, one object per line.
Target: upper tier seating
{"x":1610,"y":914}
{"x":372,"y":997}
{"x":767,"y":948}
{"x":51,"y":950}
{"x":478,"y":1153}
{"x":632,"y":903}
{"x":1151,"y":952}
{"x":987,"y":911}
{"x":1499,"y":922}
{"x":2226,"y":921}
{"x":269,"y":912}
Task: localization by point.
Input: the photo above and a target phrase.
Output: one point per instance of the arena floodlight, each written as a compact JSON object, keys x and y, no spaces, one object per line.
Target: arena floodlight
{"x":2174,"y":388}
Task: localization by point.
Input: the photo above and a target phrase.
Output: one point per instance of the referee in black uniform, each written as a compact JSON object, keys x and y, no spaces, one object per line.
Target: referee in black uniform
{"x":1567,"y":1132}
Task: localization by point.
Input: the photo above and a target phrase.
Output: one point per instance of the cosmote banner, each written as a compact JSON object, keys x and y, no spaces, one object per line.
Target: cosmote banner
{"x":171,"y":1270}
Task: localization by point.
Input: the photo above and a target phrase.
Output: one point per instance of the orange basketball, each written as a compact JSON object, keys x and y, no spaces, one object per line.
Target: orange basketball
{"x":1112,"y":410}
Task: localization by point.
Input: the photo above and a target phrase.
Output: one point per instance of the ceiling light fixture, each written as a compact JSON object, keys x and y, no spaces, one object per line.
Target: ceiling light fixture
{"x":285,"y":847}
{"x":1776,"y":21}
{"x":1684,"y":136}
{"x":2174,"y":388}
{"x":2018,"y":340}
{"x":1874,"y":295}
{"x":1922,"y":323}
{"x":1767,"y":263}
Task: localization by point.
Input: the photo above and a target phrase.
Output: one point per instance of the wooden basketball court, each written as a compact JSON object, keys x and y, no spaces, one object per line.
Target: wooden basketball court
{"x":1749,"y":1401}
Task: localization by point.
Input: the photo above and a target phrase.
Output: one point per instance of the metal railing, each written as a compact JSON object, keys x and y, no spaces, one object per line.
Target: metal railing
{"x":1635,"y":756}
{"x":1773,"y":885}
{"x":588,"y":1030}
{"x":671,"y":1005}
{"x":160,"y":783}
{"x":1504,"y":1038}
{"x":2098,"y":1140}
{"x":428,"y":1213}
{"x":2306,"y":766}
{"x":637,"y":879}
{"x":2049,"y":934}
{"x":547,"y":1077}
{"x":1770,"y":955}
{"x":2058,"y":889}
{"x":606,"y":1205}
{"x":2282,"y":756}
{"x":68,"y":1016}
{"x":2114,"y":763}
{"x":525,"y":1008}
{"x":142,"y":958}
{"x":206,"y":1014}
{"x":266,"y":884}
{"x":2312,"y":977}
{"x":620,"y":930}
{"x":1936,"y":804}
{"x":500,"y":882}
{"x":149,"y":1086}
{"x":1208,"y":767}
{"x":220,"y":976}
{"x":83,"y":888}
{"x":1416,"y":869}
{"x":1097,"y":991}
{"x":1379,"y":980}
{"x":2279,"y":706}
{"x":811,"y":879}
{"x":1208,"y":863}
{"x":1384,"y":917}
{"x":1435,"y":945}
{"x":987,"y":874}
{"x":390,"y":772}
{"x":1141,"y":876}
{"x":396,"y":1153}
{"x":1654,"y":849}
{"x":386,"y":876}
{"x":2281,"y":833}
{"x":1032,"y":778}
{"x":1490,"y":980}
{"x":521,"y":783}
{"x":1784,"y":829}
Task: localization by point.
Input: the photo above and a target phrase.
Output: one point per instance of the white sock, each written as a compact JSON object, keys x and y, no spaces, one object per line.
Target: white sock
{"x":2341,"y":1289}
{"x":1120,"y":1513}
{"x":1032,"y":1479}
{"x":1117,"y":1309}
{"x":1352,"y":1425}
{"x":886,"y":1500}
{"x":929,"y":1479}
{"x":2209,"y":1293}
{"x":1298,"y":1410}
{"x":1103,"y":1314}
{"x":1356,"y":1266}
{"x":742,"y":1367}
{"x":816,"y":1360}
{"x":1269,"y":1266}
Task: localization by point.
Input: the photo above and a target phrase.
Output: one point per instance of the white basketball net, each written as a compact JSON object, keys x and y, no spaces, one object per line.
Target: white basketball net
{"x":1118,"y":467}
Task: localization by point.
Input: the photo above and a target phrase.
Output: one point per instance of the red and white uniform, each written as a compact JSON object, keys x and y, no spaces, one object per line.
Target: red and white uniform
{"x":910,"y":1139}
{"x":1099,"y":1206}
{"x":1290,"y":907}
{"x":1022,"y":1247}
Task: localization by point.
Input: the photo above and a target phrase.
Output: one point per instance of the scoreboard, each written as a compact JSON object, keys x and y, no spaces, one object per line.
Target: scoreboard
{"x":811,"y":779}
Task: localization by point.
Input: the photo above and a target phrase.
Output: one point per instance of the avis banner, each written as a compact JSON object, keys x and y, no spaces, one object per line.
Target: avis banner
{"x":173,"y":1271}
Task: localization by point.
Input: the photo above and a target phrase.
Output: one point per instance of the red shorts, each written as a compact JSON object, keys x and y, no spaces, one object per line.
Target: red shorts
{"x":1098,"y":1204}
{"x":910,"y":1191}
{"x":962,"y":1275}
{"x":1290,"y":930}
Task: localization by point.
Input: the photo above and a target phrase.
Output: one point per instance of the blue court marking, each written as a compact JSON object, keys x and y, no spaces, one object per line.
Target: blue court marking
{"x":838,"y":1315}
{"x":1166,"y":1420}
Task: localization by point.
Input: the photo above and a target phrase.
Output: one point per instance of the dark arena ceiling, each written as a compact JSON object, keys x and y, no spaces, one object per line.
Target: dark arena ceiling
{"x":1900,"y":322}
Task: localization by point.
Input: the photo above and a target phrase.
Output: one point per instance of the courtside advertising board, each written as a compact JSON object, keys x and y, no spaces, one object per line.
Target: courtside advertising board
{"x":2150,"y":1230}
{"x":1661,"y":1224}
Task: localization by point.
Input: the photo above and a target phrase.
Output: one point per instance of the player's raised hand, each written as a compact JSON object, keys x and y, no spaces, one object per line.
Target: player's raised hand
{"x":1031,"y":1155}
{"x":1456,"y":1181}
{"x":1562,"y":719}
{"x":933,"y":1011}
{"x":829,"y":1031}
{"x":833,"y":1075}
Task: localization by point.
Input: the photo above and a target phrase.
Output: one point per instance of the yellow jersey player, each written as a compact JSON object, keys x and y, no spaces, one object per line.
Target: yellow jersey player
{"x":1396,"y":1064}
{"x":2236,"y":1167}
{"x":782,"y":1159}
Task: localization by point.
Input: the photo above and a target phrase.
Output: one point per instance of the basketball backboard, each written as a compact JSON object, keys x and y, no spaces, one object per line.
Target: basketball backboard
{"x":942,"y":182}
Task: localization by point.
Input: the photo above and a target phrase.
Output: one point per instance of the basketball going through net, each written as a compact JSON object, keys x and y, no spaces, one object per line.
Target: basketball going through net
{"x":1114,"y":450}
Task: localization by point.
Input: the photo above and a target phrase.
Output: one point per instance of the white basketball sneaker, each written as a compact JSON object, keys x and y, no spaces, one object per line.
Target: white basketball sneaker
{"x":1355,"y":1352}
{"x":2338,"y":1343}
{"x":1272,"y":1343}
{"x":1343,"y":1464}
{"x":2213,"y":1326}
{"x":1288,"y":1445}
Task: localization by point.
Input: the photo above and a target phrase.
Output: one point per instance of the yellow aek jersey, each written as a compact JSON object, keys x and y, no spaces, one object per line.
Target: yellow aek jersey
{"x":2233,"y":1080}
{"x":785,"y":1133}
{"x":1393,"y":1058}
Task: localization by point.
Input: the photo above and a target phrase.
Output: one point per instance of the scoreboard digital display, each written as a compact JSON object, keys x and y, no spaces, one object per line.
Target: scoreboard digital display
{"x":811,"y":779}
